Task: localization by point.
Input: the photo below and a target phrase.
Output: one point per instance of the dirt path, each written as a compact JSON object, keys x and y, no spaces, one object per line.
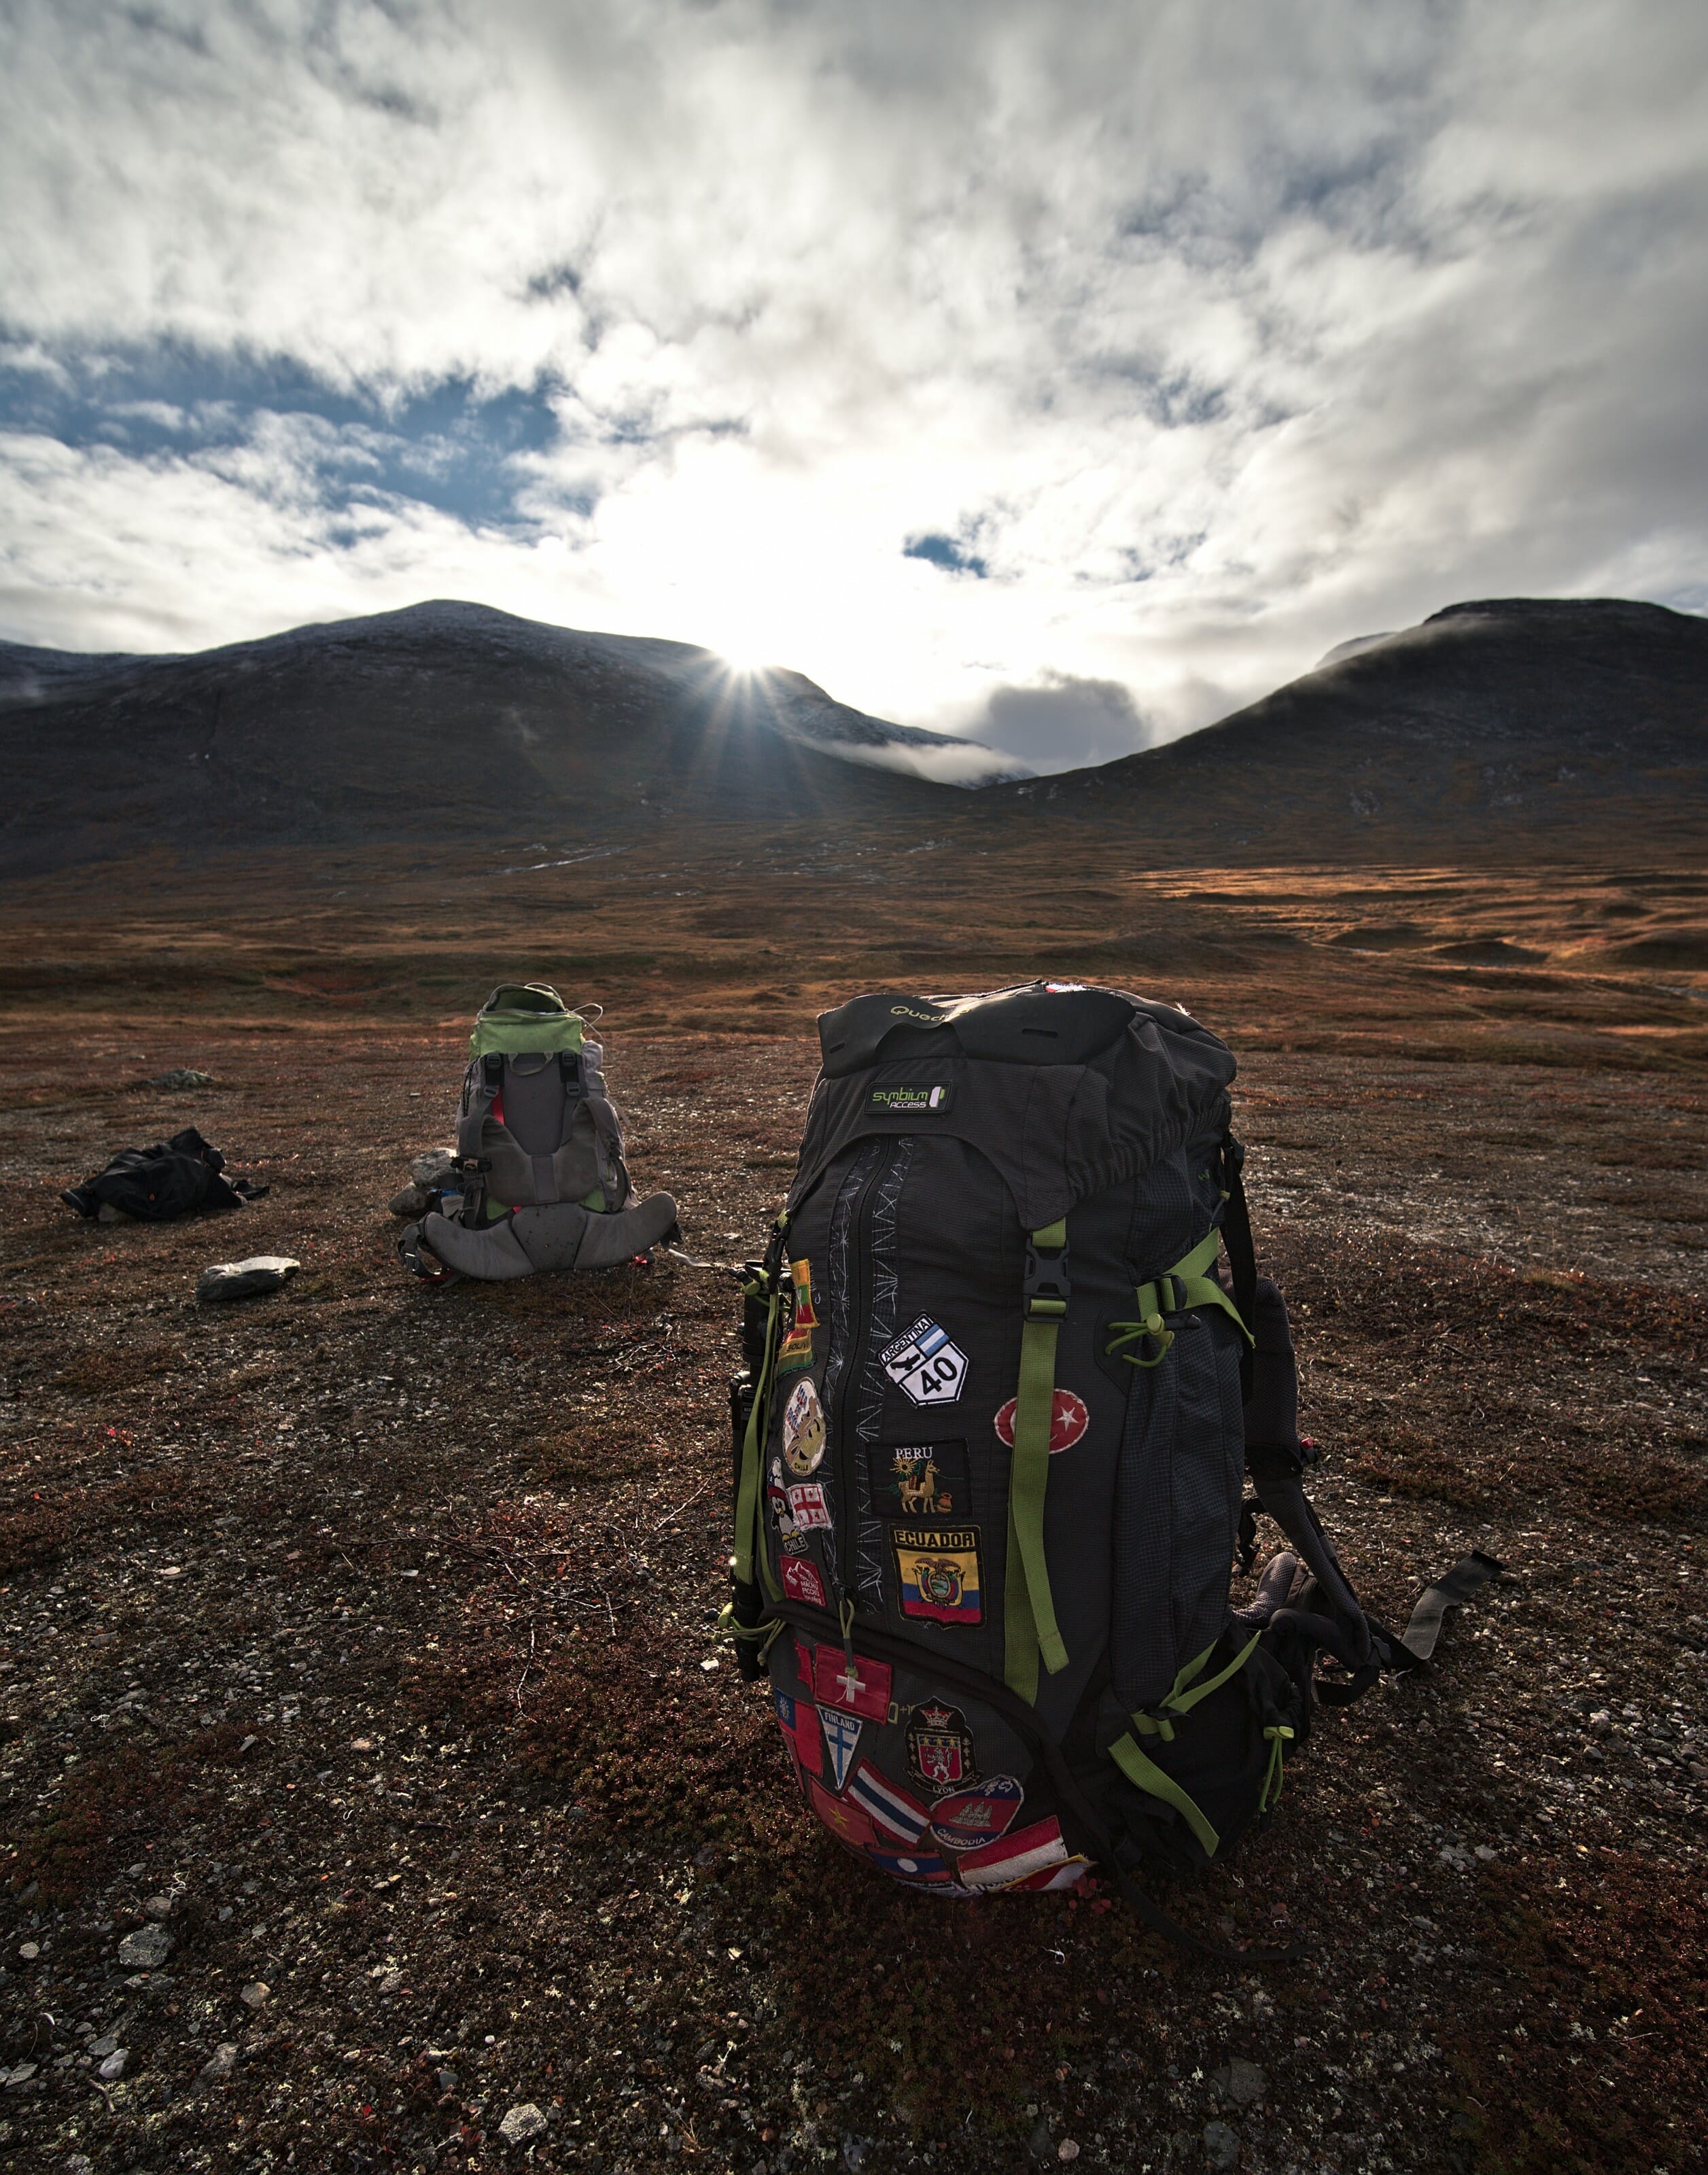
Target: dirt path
{"x":365,"y":1633}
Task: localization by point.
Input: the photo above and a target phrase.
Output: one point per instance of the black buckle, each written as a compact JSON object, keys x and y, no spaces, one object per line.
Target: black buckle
{"x":1046,"y":1273}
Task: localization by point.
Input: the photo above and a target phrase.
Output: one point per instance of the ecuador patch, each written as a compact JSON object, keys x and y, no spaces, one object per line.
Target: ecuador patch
{"x":937,"y":1572}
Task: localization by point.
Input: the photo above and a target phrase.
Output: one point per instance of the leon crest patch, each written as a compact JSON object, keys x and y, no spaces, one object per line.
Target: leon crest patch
{"x":940,"y":1749}
{"x":937,"y":1572}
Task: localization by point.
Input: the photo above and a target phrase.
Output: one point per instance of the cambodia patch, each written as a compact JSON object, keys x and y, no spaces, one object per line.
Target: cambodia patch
{"x":937,"y":1572}
{"x":859,"y":1686}
{"x":1068,"y":1421}
{"x":803,"y":1430}
{"x":924,"y":1365}
{"x":802,"y":1582}
{"x":924,"y":1098}
{"x":842,"y":1734}
{"x":967,"y":1819}
{"x":807,"y":1505}
{"x":920,"y":1479}
{"x":940,"y":1749}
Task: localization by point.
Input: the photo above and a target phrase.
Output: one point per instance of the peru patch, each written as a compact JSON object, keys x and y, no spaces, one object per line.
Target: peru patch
{"x":924,"y":1365}
{"x":969,"y":1818}
{"x":940,"y":1749}
{"x":920,"y":1479}
{"x":937,"y":1572}
{"x":807,"y":1507}
{"x":1068,"y":1421}
{"x":801,"y":1581}
{"x":803,"y":1431}
{"x":842,"y":1734}
{"x":858,"y":1687}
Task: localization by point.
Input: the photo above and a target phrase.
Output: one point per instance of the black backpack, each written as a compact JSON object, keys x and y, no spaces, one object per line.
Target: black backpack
{"x":1001,"y":1400}
{"x":157,"y":1183}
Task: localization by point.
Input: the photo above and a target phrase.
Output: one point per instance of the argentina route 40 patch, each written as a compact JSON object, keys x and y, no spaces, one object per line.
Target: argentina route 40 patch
{"x":937,"y":1573}
{"x":925,"y":1364}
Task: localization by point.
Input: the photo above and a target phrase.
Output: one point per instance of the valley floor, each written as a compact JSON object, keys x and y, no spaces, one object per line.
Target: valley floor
{"x":368,"y":1629}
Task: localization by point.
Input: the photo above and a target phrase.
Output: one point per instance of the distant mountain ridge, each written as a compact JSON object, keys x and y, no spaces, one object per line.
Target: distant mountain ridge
{"x":444,"y":715}
{"x":1509,"y":725}
{"x":1511,"y":722}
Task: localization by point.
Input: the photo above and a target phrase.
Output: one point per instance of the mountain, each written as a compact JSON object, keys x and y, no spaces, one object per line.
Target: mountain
{"x":1493,"y":728}
{"x":1511,"y":725}
{"x":443,"y":719}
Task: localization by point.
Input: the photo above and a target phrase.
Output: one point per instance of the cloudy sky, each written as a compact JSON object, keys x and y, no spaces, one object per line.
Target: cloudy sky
{"x":1065,"y":373}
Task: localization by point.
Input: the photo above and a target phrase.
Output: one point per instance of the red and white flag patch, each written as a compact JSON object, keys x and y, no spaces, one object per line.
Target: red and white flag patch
{"x":1030,"y":1850}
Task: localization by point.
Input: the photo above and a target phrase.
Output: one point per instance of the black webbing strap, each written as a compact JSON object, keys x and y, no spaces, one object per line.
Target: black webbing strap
{"x":1242,"y":1251}
{"x":821,"y":1625}
{"x":1466,"y":1579}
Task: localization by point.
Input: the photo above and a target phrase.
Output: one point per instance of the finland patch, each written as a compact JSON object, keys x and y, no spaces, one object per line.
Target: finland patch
{"x":924,"y":1365}
{"x":842,"y":1734}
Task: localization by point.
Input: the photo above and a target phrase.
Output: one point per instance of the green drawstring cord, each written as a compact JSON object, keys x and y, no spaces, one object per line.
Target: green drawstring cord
{"x":1277,"y":1772}
{"x":1130,"y":1333}
{"x":845,"y":1614}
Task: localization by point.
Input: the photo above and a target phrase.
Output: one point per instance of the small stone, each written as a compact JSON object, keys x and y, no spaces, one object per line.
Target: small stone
{"x":436,"y":1168}
{"x":100,"y":2048}
{"x":157,"y":1907}
{"x":146,"y":1948}
{"x":260,"y":1272}
{"x":1242,"y":2082}
{"x":392,"y":1981}
{"x":1486,"y":1852}
{"x":114,"y":2066}
{"x":1220,"y":2145}
{"x":412,"y":1201}
{"x":21,"y":2074}
{"x":1067,"y":2150}
{"x":180,"y":1077}
{"x":29,"y":1951}
{"x":253,"y":1995}
{"x":521,"y":2124}
{"x":447,"y":2080}
{"x":855,"y":2153}
{"x":221,"y":2062}
{"x":1600,"y":1724}
{"x":78,"y":2163}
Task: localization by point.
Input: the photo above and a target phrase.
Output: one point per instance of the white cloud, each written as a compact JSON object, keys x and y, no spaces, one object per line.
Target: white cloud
{"x":1217,"y":336}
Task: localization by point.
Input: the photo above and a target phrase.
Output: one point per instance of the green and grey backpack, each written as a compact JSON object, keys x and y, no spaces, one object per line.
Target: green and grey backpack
{"x":539,"y":1153}
{"x":991,"y":1442}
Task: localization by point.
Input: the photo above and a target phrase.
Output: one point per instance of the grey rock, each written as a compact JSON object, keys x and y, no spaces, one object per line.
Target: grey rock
{"x":1600,"y":1724}
{"x":435,"y":1168}
{"x":253,"y":1995}
{"x":146,"y":1948}
{"x":157,"y":1906}
{"x":1242,"y":2082}
{"x":1220,"y":2145}
{"x":411,"y":1202}
{"x":20,"y":2074}
{"x":180,"y":1077}
{"x":260,"y":1272}
{"x":221,"y":2062}
{"x":114,"y":2066}
{"x":855,"y":2153}
{"x":521,"y":2124}
{"x":100,"y":2048}
{"x":107,"y":1214}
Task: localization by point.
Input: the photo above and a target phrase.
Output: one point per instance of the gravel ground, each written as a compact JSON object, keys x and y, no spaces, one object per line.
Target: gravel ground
{"x":377,"y":1795}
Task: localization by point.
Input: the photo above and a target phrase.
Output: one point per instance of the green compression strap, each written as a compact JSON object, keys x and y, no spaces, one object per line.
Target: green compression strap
{"x":1187,"y":1284}
{"x":1184,"y":1695}
{"x":752,"y":1457}
{"x":1029,"y":1625}
{"x":1150,"y":1777}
